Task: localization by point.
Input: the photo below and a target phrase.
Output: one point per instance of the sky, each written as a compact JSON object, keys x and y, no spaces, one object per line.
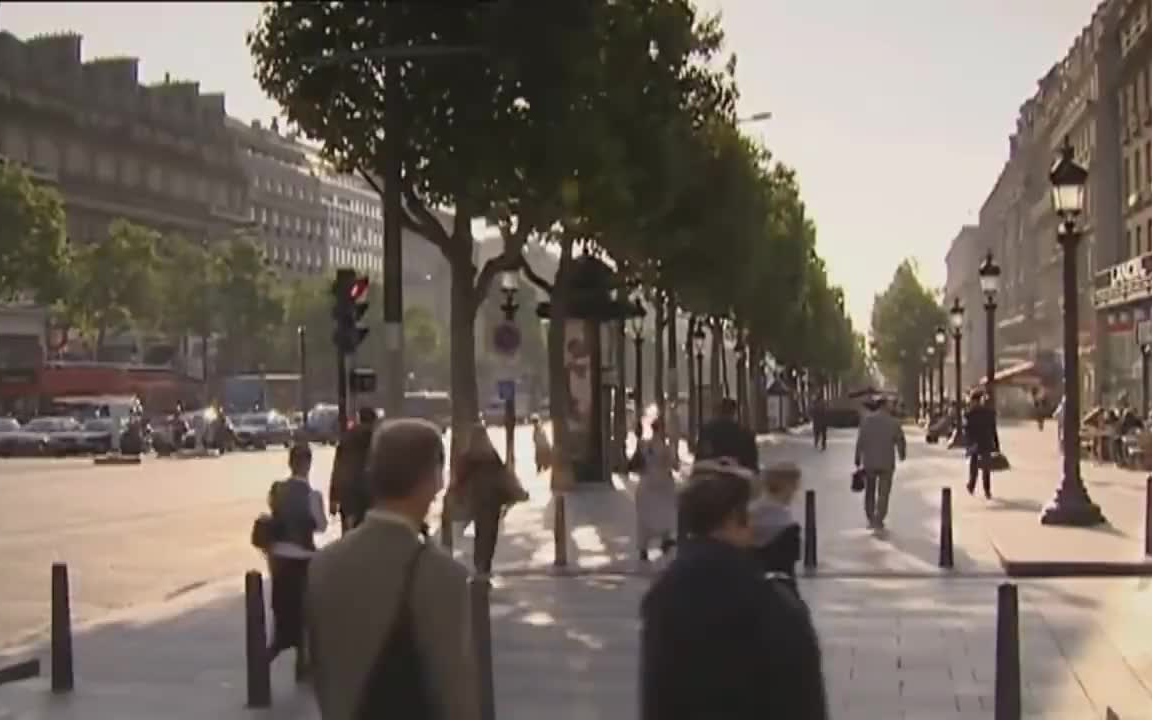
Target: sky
{"x":894,"y":113}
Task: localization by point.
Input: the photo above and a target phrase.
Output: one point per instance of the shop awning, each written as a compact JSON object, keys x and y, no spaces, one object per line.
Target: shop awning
{"x":1022,"y":374}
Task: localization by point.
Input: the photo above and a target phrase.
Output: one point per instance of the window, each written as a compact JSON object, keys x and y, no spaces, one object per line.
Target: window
{"x":155,"y":178}
{"x":130,"y":171}
{"x":1141,"y":100}
{"x":105,"y":167}
{"x":1148,"y":163}
{"x":1124,"y":182}
{"x":1128,"y":242}
{"x":1137,"y":186}
{"x":1139,"y":240}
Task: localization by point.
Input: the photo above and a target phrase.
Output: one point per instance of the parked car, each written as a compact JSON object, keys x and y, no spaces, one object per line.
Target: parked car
{"x":259,"y":430}
{"x":435,"y":407}
{"x":65,"y":436}
{"x":16,"y":441}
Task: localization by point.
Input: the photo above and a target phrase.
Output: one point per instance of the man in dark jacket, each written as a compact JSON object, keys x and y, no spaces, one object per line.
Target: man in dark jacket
{"x":820,"y":423}
{"x":348,"y":492}
{"x":983,"y":441}
{"x":718,"y":640}
{"x":723,"y":436}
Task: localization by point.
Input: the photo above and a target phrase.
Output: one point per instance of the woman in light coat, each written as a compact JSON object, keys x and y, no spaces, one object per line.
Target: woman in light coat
{"x":656,"y":462}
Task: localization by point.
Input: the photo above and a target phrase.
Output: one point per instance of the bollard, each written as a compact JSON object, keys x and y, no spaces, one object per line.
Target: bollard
{"x":1148,"y":518}
{"x":1110,"y":714}
{"x":809,"y":529}
{"x":62,"y":675}
{"x":559,"y":532}
{"x":259,"y":676}
{"x":1008,"y":705}
{"x":946,"y":559}
{"x":481,"y":597}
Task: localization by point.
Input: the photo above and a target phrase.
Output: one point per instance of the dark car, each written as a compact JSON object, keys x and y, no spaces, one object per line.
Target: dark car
{"x":65,"y":436}
{"x":259,"y":430}
{"x":322,"y":425}
{"x":15,"y":441}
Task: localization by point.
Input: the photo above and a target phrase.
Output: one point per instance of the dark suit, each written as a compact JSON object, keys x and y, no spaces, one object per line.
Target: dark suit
{"x":719,"y":641}
{"x":983,"y":441}
{"x":353,"y":596}
{"x":722,"y":437}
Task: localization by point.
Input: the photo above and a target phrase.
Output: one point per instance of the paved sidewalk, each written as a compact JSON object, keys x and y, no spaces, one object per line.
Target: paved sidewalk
{"x":566,"y":648}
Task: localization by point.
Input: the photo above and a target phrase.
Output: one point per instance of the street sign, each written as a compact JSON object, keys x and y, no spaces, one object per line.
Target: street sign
{"x":362,"y":380}
{"x":1144,"y":332}
{"x":506,"y":389}
{"x":506,"y":338}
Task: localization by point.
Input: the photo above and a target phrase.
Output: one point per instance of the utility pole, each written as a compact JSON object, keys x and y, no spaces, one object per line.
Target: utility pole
{"x":393,"y":242}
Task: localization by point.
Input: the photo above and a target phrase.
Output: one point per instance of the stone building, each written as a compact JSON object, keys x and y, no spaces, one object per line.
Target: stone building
{"x":963,"y":258}
{"x":157,"y":155}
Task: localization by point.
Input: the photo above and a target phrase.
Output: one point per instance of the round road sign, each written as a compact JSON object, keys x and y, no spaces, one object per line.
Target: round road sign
{"x":506,"y":339}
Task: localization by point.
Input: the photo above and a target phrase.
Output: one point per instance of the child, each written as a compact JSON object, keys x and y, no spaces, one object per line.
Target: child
{"x":776,"y":535}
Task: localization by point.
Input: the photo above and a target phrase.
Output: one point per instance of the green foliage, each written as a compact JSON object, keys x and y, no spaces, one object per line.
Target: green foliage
{"x":34,"y":252}
{"x":246,"y":300}
{"x":116,"y":282}
{"x":904,"y":319}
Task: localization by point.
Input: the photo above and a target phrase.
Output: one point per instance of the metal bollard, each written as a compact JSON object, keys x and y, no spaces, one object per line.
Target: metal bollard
{"x":63,"y":679}
{"x":559,"y":532}
{"x":256,"y":641}
{"x":481,"y":597}
{"x":810,"y":530}
{"x":1148,"y":518}
{"x":1008,"y":702}
{"x":946,"y":558}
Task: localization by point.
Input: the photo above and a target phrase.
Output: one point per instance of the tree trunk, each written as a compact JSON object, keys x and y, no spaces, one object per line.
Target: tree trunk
{"x":693,"y":388}
{"x":715,"y":357}
{"x":658,"y":361}
{"x":673,"y":377}
{"x":462,"y":349}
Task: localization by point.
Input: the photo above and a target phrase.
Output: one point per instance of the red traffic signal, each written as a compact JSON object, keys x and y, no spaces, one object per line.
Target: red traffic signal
{"x":359,"y":290}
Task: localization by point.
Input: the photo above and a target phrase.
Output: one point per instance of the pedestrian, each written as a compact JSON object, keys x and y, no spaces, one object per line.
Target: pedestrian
{"x":483,"y":488}
{"x":724,"y":436}
{"x":983,"y":441}
{"x":297,"y":515}
{"x":718,"y":640}
{"x":542,"y":445}
{"x":775,"y":532}
{"x":819,"y":424}
{"x":878,"y":441}
{"x":656,"y":463}
{"x":388,"y":616}
{"x":348,"y":491}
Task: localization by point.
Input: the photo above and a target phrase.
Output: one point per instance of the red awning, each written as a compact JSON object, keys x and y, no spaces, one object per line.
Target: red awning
{"x":1021,"y":374}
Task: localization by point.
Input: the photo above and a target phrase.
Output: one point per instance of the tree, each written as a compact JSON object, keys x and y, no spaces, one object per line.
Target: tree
{"x":189,"y":273}
{"x":34,"y":251}
{"x":424,"y":342}
{"x":904,"y":320}
{"x":247,"y":304}
{"x":115,"y":283}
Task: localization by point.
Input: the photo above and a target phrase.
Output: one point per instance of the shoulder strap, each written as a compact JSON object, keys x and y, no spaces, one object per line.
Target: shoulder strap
{"x":402,"y":609}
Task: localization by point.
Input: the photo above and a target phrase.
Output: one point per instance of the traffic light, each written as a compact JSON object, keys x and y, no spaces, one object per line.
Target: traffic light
{"x":350,"y":293}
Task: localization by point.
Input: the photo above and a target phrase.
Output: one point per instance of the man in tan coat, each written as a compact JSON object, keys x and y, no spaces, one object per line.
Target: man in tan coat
{"x":356,"y":587}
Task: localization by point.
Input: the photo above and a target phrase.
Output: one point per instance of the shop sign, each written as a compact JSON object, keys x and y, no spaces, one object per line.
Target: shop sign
{"x":1126,"y":282}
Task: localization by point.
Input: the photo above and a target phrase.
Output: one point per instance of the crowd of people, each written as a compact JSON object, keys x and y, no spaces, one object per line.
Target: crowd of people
{"x":380,"y":621}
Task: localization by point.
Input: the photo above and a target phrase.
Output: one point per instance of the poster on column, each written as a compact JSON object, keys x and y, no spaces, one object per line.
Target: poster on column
{"x":578,"y":369}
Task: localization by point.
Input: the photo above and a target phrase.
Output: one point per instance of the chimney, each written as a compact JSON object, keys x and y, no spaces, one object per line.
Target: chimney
{"x":167,"y":78}
{"x":256,"y":125}
{"x":276,"y":125}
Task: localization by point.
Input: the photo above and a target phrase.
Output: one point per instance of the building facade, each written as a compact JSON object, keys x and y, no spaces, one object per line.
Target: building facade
{"x":157,"y":155}
{"x":964,"y":256}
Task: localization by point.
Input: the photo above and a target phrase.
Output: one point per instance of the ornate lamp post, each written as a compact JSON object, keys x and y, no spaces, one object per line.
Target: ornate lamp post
{"x":930,"y":370}
{"x":1071,"y":506}
{"x":636,"y":325}
{"x":698,"y":339}
{"x":941,"y":338}
{"x":990,"y":285}
{"x":509,"y":286}
{"x":742,"y":377}
{"x":956,"y":320}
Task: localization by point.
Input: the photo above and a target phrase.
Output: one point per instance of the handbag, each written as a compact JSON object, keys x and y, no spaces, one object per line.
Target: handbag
{"x":265,"y":532}
{"x":395,"y":686}
{"x":859,"y":479}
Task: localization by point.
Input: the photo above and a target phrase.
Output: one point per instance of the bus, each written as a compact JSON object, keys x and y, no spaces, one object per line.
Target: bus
{"x":252,"y":392}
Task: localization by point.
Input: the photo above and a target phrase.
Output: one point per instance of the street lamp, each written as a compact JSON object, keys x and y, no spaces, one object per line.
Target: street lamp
{"x":941,"y":338}
{"x":742,"y":376}
{"x":636,"y":324}
{"x":698,"y":338}
{"x":1071,"y":506}
{"x":989,"y":273}
{"x":956,"y":320}
{"x":930,"y":369}
{"x":1145,"y":352}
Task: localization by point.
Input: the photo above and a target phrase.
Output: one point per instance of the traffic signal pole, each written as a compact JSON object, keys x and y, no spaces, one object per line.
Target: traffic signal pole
{"x":350,"y":295}
{"x":341,"y":391}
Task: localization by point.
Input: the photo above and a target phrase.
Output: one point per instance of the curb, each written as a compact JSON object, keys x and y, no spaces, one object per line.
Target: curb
{"x":1074,"y":568}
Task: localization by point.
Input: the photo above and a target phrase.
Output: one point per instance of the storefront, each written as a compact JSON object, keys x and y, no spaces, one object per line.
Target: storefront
{"x":1122,"y":296}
